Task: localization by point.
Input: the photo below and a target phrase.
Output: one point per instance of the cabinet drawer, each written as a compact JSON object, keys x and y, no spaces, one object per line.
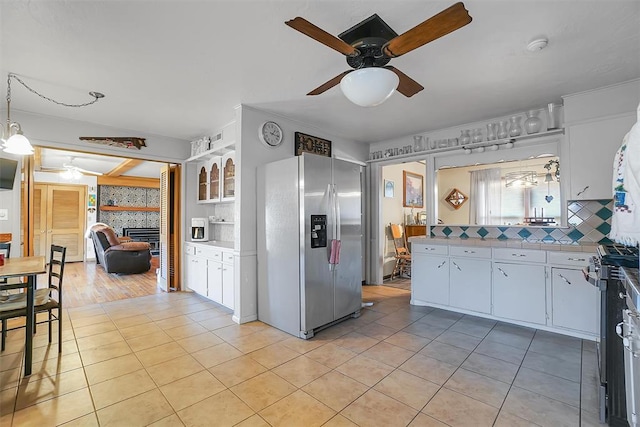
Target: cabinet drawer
{"x":189,"y":249}
{"x":208,"y":252}
{"x":472,"y":252}
{"x":227,"y":257}
{"x":520,"y":255}
{"x":577,"y":259}
{"x":421,"y":248}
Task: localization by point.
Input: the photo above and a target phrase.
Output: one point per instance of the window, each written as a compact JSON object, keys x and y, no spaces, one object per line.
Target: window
{"x":521,"y":202}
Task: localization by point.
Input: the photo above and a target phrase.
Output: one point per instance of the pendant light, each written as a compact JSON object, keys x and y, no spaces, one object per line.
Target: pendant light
{"x":13,"y":141}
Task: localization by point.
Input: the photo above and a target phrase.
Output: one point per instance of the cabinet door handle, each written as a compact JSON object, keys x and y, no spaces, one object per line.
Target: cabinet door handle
{"x":577,"y":259}
{"x":457,"y":266}
{"x":431,"y":249}
{"x":518,"y":255}
{"x":583,"y":190}
{"x":503,"y":273}
{"x":564,"y":278}
{"x":469,"y":252}
{"x":443,"y":263}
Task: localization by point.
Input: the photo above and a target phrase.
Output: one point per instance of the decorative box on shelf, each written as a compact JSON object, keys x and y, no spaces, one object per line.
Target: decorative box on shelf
{"x":200,"y":145}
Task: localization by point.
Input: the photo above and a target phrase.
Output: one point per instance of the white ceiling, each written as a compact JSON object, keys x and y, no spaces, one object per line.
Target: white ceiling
{"x":178,"y":68}
{"x":54,"y":159}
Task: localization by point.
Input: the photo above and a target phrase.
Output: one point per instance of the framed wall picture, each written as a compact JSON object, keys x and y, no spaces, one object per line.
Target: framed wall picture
{"x":389,"y":188}
{"x":413,"y":190}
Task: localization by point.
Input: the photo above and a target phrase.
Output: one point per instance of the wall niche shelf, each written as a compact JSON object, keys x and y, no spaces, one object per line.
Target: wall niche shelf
{"x":220,"y":149}
{"x":130,"y":208}
{"x":542,"y":136}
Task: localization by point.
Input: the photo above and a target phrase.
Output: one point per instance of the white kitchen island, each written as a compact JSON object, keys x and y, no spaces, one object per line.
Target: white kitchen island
{"x":530,"y":284}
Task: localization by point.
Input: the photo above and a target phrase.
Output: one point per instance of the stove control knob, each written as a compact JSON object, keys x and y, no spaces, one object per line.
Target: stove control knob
{"x":619,"y":329}
{"x":626,"y":343}
{"x":621,"y":295}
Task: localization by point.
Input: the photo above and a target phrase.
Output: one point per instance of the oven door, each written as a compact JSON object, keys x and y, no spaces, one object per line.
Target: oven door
{"x":630,"y":334}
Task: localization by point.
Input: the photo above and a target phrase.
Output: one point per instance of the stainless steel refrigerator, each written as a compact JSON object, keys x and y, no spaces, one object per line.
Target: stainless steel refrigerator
{"x":309,"y":243}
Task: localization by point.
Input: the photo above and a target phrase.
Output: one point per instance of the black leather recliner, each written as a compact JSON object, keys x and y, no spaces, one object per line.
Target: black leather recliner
{"x":120,"y":257}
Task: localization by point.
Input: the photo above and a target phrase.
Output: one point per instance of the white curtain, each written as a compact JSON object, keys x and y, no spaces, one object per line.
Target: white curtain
{"x":485,"y":197}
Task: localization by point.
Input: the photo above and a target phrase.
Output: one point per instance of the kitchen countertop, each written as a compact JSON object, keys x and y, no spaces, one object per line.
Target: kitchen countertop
{"x":509,"y":243}
{"x":216,"y":244}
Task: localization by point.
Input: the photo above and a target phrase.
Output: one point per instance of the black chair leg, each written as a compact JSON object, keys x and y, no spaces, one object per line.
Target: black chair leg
{"x":4,"y":333}
{"x":59,"y":330}
{"x":49,"y":326}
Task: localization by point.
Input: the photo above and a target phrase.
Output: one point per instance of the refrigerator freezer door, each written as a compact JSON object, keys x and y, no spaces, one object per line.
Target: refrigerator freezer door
{"x":279,"y":245}
{"x":348,"y":273}
{"x":317,"y":293}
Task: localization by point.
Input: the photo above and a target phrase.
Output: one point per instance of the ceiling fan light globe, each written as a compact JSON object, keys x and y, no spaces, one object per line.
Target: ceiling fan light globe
{"x":368,"y":87}
{"x":18,"y":144}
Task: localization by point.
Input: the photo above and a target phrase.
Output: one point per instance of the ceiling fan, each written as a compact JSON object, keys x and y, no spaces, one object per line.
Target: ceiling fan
{"x":71,"y":171}
{"x":371,"y":44}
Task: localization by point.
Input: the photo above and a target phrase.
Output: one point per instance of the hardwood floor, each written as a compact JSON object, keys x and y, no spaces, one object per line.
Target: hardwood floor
{"x":86,"y":283}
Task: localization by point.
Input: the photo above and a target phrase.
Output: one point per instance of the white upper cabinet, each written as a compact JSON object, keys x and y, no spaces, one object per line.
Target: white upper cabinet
{"x":593,"y":146}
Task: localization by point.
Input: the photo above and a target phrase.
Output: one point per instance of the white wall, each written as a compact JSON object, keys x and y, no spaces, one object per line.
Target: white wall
{"x":250,"y":154}
{"x":10,"y":200}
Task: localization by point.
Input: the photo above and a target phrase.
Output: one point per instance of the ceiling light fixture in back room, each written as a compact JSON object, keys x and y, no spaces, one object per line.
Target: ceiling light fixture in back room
{"x":370,"y":45}
{"x":13,"y":141}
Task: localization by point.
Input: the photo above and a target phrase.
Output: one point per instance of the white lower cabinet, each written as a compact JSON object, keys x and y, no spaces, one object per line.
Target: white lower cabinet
{"x":572,"y":296}
{"x":214,"y":279}
{"x":211,"y":273}
{"x":430,"y":278}
{"x":196,"y":274}
{"x":470,"y":284}
{"x":519,"y":292}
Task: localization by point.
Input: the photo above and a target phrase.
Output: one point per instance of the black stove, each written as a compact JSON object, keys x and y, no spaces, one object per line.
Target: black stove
{"x":605,"y":272}
{"x":618,"y":255}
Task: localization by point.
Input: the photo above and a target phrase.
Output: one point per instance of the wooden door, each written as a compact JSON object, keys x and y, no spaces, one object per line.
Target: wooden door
{"x":40,"y":220}
{"x":169,"y":228}
{"x":60,"y":218}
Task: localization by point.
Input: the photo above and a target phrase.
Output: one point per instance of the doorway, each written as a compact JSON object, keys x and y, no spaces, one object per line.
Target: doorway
{"x":61,"y":210}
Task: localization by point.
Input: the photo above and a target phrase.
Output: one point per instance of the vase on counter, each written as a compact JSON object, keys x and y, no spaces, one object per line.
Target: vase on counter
{"x":515,"y":129}
{"x":418,"y":143}
{"x":465,"y":137}
{"x":533,"y":124}
{"x":491,"y":131}
{"x":477,"y":135}
{"x":554,"y":120}
{"x":502,"y":130}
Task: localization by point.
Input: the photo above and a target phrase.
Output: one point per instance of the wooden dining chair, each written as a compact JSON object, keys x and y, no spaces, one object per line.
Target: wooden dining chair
{"x":5,"y":249}
{"x":403,"y":256}
{"x":46,"y":299}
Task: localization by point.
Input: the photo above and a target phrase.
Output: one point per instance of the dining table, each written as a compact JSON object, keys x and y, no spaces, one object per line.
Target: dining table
{"x":29,"y":267}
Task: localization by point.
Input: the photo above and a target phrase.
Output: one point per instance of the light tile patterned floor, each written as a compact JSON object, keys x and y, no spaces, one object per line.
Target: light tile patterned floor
{"x":178,"y":359}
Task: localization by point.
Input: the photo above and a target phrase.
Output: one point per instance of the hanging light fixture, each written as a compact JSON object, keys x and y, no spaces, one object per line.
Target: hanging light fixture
{"x":368,"y":87}
{"x":556,"y":175}
{"x":521,"y":179}
{"x":13,"y":141}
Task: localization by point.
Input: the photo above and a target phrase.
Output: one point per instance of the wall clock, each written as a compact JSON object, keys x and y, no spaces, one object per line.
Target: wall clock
{"x":270,"y":133}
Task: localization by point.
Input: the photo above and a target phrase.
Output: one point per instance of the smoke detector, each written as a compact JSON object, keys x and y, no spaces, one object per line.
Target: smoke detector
{"x":537,"y":44}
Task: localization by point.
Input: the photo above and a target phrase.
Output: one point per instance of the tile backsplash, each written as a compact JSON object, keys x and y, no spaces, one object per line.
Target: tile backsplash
{"x":589,"y":222}
{"x":129,"y":196}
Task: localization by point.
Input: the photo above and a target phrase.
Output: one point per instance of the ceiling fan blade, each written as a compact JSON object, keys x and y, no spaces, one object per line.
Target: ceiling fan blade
{"x":317,"y":33}
{"x":328,"y":85}
{"x":439,"y":25}
{"x":87,"y":172}
{"x":407,"y":86}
